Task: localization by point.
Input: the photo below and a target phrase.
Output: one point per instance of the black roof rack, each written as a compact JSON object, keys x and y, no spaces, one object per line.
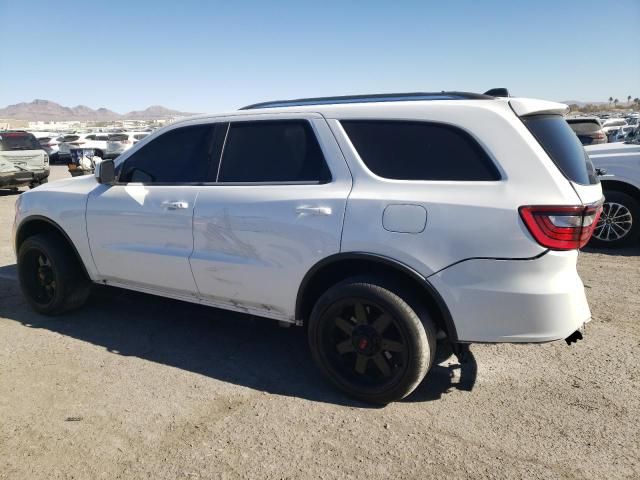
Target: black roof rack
{"x":378,"y":97}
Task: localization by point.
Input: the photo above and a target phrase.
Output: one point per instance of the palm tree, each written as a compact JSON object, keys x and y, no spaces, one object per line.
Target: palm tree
{"x":610,"y":100}
{"x":615,"y":102}
{"x":628,"y":98}
{"x":636,"y":100}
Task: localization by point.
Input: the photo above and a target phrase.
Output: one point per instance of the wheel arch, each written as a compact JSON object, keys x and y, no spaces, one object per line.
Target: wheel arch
{"x":620,"y":186}
{"x":37,"y":224}
{"x":338,"y":267}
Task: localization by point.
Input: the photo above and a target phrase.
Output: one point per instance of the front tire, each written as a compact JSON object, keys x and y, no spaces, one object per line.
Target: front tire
{"x":51,"y":277}
{"x":619,"y":223}
{"x":370,"y":341}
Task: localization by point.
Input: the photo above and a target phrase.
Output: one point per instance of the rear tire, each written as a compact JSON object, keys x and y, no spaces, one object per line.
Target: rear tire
{"x":51,"y":277}
{"x":370,"y":340}
{"x":619,"y":223}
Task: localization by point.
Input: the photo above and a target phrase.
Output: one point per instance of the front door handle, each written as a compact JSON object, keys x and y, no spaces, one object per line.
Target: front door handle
{"x":175,"y":205}
{"x":305,"y":210}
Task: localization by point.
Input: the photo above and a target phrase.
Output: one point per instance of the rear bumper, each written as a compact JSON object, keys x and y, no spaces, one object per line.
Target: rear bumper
{"x":518,"y":301}
{"x":21,"y":178}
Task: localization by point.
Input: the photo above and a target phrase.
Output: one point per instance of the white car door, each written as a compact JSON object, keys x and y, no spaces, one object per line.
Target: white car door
{"x":276,"y":210}
{"x":140,"y":229}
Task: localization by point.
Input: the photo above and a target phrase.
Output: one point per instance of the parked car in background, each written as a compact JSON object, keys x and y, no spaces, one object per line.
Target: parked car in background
{"x":118,"y":143}
{"x":612,"y":126}
{"x":383,"y":222}
{"x":96,"y":141}
{"x":22,"y":160}
{"x":50,"y":144}
{"x":633,"y":119}
{"x":623,"y":132}
{"x":619,"y":166}
{"x":634,"y":136}
{"x":588,"y":129}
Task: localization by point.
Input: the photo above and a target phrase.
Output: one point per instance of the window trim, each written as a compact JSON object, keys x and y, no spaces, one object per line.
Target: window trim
{"x":490,"y":161}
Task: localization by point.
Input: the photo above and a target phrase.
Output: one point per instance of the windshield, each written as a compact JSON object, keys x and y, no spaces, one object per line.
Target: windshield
{"x":562,"y":145}
{"x":10,"y":141}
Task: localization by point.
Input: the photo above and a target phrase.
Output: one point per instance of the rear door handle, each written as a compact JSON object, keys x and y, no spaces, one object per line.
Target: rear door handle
{"x":305,"y":210}
{"x":175,"y":205}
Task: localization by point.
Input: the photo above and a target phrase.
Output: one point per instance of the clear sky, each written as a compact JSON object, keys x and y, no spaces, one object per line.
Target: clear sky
{"x":207,"y":56}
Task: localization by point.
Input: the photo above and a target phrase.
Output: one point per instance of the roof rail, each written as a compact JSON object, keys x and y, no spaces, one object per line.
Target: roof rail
{"x":378,"y":97}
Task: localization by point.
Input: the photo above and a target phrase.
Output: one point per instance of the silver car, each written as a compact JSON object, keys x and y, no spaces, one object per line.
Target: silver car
{"x":619,"y":168}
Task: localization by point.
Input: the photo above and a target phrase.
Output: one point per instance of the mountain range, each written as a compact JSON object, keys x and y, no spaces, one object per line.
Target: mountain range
{"x":45,"y":110}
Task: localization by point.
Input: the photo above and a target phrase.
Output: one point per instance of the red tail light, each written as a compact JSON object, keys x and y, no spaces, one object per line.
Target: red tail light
{"x":599,"y":135}
{"x":561,"y":228}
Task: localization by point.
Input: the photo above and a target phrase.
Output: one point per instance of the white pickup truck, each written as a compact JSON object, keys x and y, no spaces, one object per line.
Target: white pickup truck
{"x":619,"y":168}
{"x":22,"y":160}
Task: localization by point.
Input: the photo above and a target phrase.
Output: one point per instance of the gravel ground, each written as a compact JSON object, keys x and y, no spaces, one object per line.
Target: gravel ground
{"x":135,"y":386}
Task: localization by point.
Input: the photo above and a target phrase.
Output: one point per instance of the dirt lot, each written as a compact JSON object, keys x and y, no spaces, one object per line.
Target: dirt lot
{"x":135,"y":386}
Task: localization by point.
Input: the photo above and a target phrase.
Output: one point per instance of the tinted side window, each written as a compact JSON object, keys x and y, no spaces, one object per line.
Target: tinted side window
{"x":182,"y":155}
{"x":402,"y":150}
{"x":561,"y":144}
{"x":272,"y":151}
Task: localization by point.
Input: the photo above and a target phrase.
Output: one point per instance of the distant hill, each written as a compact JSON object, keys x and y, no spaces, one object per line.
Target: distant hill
{"x":155,"y":112}
{"x":582,"y":104}
{"x":46,"y":110}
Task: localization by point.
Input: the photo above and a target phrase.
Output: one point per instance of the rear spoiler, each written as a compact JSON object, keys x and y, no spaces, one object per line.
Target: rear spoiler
{"x":532,"y":106}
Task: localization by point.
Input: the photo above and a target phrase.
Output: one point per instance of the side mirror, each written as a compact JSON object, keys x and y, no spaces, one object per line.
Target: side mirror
{"x":106,"y":172}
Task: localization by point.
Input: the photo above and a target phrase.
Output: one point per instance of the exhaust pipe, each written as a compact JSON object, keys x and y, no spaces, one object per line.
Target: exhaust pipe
{"x":574,"y":337}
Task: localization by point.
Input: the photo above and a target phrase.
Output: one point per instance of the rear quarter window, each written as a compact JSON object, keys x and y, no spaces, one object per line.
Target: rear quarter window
{"x":402,"y":150}
{"x":563,"y":147}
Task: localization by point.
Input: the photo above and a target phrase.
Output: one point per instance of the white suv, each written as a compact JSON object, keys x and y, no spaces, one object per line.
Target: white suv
{"x":96,"y":141}
{"x":118,"y":143}
{"x":381,"y":222}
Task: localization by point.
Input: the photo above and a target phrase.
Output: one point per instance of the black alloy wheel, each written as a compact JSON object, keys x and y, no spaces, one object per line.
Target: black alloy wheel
{"x":51,"y":276}
{"x":370,"y":341}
